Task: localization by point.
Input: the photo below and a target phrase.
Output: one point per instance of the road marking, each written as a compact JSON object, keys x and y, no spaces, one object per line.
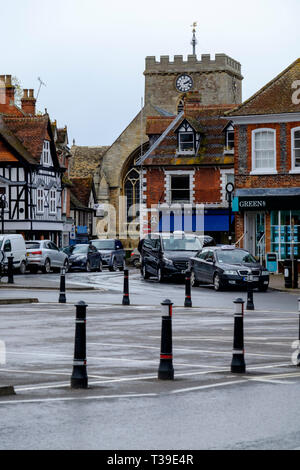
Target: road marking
{"x":284,"y":382}
{"x":203,"y":387}
{"x":99,"y":397}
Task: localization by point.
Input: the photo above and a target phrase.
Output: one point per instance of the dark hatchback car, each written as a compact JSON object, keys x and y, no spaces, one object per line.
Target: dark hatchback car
{"x":227,"y":266}
{"x":85,"y":257}
{"x":112,"y":253}
{"x":167,"y":255}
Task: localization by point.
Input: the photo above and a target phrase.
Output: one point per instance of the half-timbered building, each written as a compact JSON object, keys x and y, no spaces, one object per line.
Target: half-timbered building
{"x":30,"y":178}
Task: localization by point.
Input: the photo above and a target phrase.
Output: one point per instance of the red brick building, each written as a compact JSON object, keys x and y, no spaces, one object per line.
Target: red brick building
{"x":189,"y":162}
{"x":267,"y":167}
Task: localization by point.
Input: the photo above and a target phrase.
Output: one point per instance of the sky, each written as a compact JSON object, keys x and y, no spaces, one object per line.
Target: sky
{"x":91,"y":53}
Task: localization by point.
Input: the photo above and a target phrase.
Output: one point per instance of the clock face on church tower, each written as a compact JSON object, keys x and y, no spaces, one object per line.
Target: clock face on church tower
{"x":184,"y":83}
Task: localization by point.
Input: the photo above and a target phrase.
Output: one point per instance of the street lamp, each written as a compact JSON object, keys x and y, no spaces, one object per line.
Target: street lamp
{"x":229,"y":191}
{"x":3,"y":205}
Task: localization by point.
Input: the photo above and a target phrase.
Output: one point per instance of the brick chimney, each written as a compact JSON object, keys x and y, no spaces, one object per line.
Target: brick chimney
{"x":28,"y":102}
{"x":7,"y":91}
{"x":192,"y":101}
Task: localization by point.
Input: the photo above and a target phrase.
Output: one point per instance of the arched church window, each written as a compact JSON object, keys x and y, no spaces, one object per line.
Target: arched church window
{"x":132,"y":193}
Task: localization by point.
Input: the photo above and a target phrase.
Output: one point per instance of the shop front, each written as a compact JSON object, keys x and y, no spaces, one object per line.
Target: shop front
{"x":212,"y":222}
{"x":271,"y":220}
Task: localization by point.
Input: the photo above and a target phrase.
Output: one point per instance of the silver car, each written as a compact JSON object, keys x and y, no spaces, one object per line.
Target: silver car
{"x":45,"y":255}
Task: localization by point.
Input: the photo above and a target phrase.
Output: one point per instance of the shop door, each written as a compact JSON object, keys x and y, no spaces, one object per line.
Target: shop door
{"x":250,"y":236}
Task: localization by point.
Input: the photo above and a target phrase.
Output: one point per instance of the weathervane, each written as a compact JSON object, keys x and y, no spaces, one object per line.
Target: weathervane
{"x":194,"y":40}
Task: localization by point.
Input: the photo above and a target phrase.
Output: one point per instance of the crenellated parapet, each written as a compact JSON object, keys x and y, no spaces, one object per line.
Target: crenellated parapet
{"x":165,"y":65}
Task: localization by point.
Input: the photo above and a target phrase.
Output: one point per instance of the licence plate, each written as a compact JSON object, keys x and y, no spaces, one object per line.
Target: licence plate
{"x":255,"y":278}
{"x":183,"y":271}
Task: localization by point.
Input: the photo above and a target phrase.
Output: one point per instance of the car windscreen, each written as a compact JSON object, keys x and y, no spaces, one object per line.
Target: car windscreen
{"x":79,"y":249}
{"x":32,"y":245}
{"x":234,"y":257}
{"x":104,"y":244}
{"x":181,"y":244}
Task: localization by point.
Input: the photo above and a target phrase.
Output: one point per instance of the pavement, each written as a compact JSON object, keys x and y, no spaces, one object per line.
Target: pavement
{"x":52,"y":282}
{"x":277,"y":283}
{"x":126,"y":406}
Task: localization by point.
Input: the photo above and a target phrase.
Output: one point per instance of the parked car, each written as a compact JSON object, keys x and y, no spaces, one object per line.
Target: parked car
{"x":227,"y":266}
{"x":85,"y":257}
{"x":167,"y":255}
{"x":45,"y":255}
{"x":67,"y":249}
{"x":207,"y":240}
{"x":112,"y":252}
{"x":135,"y":259}
{"x":13,"y":245}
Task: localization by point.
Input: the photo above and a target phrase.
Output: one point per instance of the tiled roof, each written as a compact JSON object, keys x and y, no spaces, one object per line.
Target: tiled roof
{"x":209,"y":121}
{"x":275,"y":97}
{"x":85,"y":160}
{"x":14,"y":142}
{"x":157,"y":124}
{"x":81,"y":188}
{"x":30,"y":131}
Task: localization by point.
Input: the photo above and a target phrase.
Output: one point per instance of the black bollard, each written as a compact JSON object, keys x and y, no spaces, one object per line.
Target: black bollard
{"x":188,"y":298}
{"x":250,"y":303}
{"x":62,"y":289}
{"x":166,"y":370}
{"x":10,"y":270}
{"x":238,"y":362}
{"x":126,"y":300}
{"x":167,"y":308}
{"x":79,"y":378}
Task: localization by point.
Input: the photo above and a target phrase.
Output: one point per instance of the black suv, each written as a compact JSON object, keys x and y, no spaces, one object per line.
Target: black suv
{"x":166,"y":255}
{"x":227,"y":266}
{"x":112,"y":253}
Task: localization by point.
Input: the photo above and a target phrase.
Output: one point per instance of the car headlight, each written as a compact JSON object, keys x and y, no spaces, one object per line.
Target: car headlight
{"x":265,"y":273}
{"x":231,"y":272}
{"x":79,"y":257}
{"x":168,"y":261}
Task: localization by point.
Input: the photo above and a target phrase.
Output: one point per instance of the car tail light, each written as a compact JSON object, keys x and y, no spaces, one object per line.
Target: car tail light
{"x":132,"y":253}
{"x":36,"y":252}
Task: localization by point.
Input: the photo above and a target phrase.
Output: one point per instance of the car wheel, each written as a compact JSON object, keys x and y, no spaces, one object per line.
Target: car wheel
{"x":145,"y":273}
{"x":217,"y":282}
{"x":114,"y":266}
{"x":194,"y":283}
{"x":66,"y":265}
{"x":47,"y":267}
{"x":22,"y":268}
{"x":100,"y":267}
{"x":136,"y":263}
{"x":88,"y":267}
{"x":160,"y":276}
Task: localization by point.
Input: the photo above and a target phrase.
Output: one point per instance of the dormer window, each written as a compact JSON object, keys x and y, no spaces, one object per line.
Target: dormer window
{"x":46,"y":153}
{"x":186,"y":141}
{"x":186,"y":138}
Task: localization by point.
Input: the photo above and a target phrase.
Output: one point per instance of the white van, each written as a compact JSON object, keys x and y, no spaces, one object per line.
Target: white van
{"x":13,"y":245}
